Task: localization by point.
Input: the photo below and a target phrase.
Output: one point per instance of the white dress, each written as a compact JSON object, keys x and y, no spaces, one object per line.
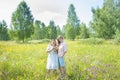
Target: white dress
{"x":52,"y":60}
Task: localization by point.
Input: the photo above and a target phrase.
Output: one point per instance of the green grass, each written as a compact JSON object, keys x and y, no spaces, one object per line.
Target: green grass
{"x":84,"y":61}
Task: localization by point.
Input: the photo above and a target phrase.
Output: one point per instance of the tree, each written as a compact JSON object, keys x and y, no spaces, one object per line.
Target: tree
{"x":84,"y":31}
{"x":117,"y":35}
{"x":70,"y":32}
{"x":4,"y":31}
{"x":58,"y":30}
{"x":12,"y":33}
{"x":72,"y":26}
{"x":63,"y":31}
{"x":52,"y":30}
{"x":39,"y":30}
{"x":44,"y":30}
{"x":104,"y":20}
{"x":117,"y":20}
{"x":22,"y":21}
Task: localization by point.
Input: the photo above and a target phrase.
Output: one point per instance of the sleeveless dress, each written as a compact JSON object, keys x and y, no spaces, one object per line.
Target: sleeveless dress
{"x":52,"y":60}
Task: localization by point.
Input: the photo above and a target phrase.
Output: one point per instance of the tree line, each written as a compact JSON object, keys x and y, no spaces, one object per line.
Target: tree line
{"x":3,"y":31}
{"x":105,"y":24}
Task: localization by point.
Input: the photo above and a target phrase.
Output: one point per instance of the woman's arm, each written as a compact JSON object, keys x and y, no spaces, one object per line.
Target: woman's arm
{"x":65,"y":49}
{"x":49,"y":49}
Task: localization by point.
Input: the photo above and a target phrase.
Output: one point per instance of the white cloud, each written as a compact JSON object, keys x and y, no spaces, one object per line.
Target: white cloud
{"x":7,"y":7}
{"x":47,"y":16}
{"x":46,"y":10}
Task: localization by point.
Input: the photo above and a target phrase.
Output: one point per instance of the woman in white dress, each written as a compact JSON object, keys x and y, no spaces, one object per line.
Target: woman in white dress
{"x":52,"y":60}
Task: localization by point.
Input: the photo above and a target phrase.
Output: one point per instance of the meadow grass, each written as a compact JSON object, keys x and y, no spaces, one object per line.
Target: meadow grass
{"x":84,"y":61}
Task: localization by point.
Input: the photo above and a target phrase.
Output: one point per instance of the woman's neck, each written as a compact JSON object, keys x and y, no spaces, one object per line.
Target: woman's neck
{"x":62,"y":41}
{"x":52,"y":45}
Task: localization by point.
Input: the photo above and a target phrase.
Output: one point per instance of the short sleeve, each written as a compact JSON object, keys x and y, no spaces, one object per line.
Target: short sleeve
{"x":65,"y":47}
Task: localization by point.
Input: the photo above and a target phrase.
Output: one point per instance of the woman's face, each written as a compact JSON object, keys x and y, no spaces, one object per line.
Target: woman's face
{"x":53,"y":42}
{"x":60,"y":39}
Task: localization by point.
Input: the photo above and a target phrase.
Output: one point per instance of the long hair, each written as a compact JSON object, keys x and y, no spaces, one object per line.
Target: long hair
{"x":58,"y":42}
{"x":58,"y":39}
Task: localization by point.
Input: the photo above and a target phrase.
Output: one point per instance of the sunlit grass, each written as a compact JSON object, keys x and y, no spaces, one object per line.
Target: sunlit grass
{"x":83,"y":61}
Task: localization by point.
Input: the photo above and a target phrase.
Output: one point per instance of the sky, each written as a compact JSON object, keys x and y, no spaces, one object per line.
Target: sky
{"x":46,"y":10}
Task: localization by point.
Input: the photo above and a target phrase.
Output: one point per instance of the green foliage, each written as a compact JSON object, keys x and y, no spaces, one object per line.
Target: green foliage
{"x":70,"y":32}
{"x":39,"y":30}
{"x":4,"y":31}
{"x":72,"y":26}
{"x":63,"y":31}
{"x":46,"y":32}
{"x":104,"y":20}
{"x":59,"y":32}
{"x":52,"y":31}
{"x":12,"y":33}
{"x":84,"y":31}
{"x":117,"y":36}
{"x":117,"y":27}
{"x":22,"y":21}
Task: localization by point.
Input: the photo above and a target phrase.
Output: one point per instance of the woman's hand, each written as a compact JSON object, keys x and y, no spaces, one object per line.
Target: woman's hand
{"x":55,"y":48}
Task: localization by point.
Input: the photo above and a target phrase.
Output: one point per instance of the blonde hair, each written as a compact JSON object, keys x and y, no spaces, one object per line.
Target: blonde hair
{"x":60,"y":37}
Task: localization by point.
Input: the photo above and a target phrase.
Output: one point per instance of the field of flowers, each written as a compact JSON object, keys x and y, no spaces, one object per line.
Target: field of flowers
{"x":84,"y":61}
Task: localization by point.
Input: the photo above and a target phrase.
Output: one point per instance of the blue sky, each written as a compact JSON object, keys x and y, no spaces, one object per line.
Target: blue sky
{"x":46,"y":10}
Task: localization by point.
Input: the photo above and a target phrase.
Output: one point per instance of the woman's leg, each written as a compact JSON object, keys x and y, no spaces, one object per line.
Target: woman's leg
{"x":47,"y":73}
{"x":62,"y":69}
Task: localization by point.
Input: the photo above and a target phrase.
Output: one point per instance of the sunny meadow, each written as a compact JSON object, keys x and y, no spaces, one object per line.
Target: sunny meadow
{"x":93,"y":51}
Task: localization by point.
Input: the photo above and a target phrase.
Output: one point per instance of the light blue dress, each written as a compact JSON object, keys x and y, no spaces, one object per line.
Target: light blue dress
{"x":52,"y":60}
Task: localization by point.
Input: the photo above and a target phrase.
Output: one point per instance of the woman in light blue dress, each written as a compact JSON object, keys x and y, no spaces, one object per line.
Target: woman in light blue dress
{"x":52,"y":60}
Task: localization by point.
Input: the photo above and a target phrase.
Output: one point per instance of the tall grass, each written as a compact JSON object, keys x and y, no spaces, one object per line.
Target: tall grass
{"x":84,"y":61}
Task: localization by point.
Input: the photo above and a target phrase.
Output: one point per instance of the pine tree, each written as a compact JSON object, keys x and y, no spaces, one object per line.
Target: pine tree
{"x":72,"y":26}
